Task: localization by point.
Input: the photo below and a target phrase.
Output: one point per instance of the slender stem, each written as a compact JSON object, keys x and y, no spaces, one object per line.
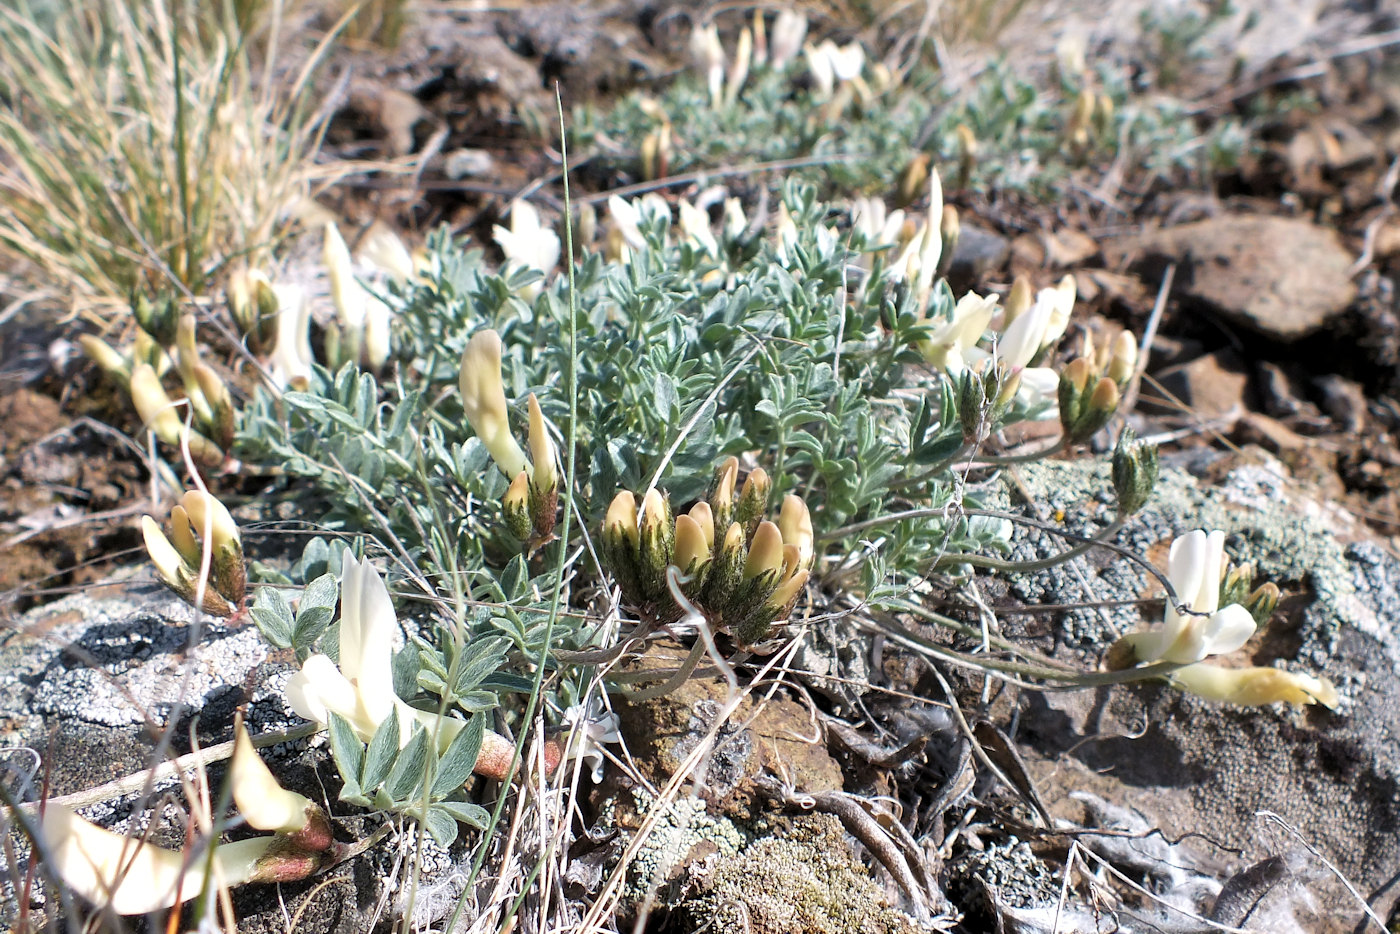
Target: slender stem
{"x":1030,"y":567}
{"x":975,"y":632}
{"x":1000,"y":460}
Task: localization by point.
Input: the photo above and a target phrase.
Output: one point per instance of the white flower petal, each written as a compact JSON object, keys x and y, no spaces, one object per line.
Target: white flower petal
{"x":1021,"y":339}
{"x":367,"y":624}
{"x":1229,"y":629}
{"x":319,"y":689}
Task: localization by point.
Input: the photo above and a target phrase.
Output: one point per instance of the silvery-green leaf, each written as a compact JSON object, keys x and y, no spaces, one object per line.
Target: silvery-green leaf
{"x":455,"y":766}
{"x":409,"y":767}
{"x":381,"y":753}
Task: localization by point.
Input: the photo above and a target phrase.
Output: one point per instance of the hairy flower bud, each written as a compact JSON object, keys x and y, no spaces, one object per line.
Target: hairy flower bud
{"x":544,"y":481}
{"x":621,"y":541}
{"x":658,"y":542}
{"x":721,"y":494}
{"x":949,"y":230}
{"x":1262,"y":602}
{"x":705,"y":519}
{"x":753,"y":499}
{"x":972,"y":404}
{"x":1018,"y":302}
{"x":209,"y":517}
{"x":1134,"y":472}
{"x":515,"y":507}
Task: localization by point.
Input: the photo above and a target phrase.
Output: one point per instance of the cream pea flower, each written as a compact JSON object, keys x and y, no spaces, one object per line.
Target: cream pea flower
{"x":1195,"y":567}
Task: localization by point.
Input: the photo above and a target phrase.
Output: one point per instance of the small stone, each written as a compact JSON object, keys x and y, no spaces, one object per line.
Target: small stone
{"x":1344,"y":400}
{"x":1281,"y":277}
{"x":1213,"y":386}
{"x":468,"y":163}
{"x":979,"y":253}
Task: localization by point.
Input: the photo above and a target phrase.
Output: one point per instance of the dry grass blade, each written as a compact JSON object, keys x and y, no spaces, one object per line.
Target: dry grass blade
{"x":135,"y":150}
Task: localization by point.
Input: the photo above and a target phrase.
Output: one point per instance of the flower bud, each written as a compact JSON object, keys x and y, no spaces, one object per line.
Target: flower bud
{"x":1134,"y":472}
{"x":708,"y":55}
{"x":1010,"y":385}
{"x":692,"y":554}
{"x":1252,"y":687}
{"x":484,"y":401}
{"x":208,"y":516}
{"x":543,"y":458}
{"x":182,"y":536}
{"x":789,"y":30}
{"x":154,"y":406}
{"x":727,"y":571}
{"x":912,"y":180}
{"x":705,"y":518}
{"x":179,"y":576}
{"x":658,"y":542}
{"x":346,"y":294}
{"x":159,"y":319}
{"x":515,"y":507}
{"x":948,"y":230}
{"x":972,"y":405}
{"x":765,"y":551}
{"x":721,"y":493}
{"x":967,"y":153}
{"x":1093,"y":413}
{"x":100,"y":352}
{"x":221,"y":413}
{"x":1124,"y":359}
{"x":760,"y":39}
{"x":795,"y":525}
{"x":782,"y":598}
{"x":1262,"y":602}
{"x":1074,"y":382}
{"x":1080,"y":120}
{"x":1018,"y":302}
{"x":655,"y":153}
{"x":1237,"y":583}
{"x":739,"y":68}
{"x":621,"y":545}
{"x":753,"y":499}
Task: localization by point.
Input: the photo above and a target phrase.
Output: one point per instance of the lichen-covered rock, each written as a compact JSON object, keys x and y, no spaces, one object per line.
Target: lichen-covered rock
{"x":1203,"y":768}
{"x":764,"y":735}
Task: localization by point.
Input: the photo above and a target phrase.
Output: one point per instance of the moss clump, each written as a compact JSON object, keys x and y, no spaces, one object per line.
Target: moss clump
{"x":804,"y":880}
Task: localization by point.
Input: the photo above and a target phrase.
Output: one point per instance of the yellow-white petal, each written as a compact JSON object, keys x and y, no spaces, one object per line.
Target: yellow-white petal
{"x":166,"y":559}
{"x":209,"y":516}
{"x":367,"y":624}
{"x":484,"y":401}
{"x":134,"y":878}
{"x":264,"y":803}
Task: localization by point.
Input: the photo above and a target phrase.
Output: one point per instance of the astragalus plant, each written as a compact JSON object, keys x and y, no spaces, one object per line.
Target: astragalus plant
{"x":139,"y":148}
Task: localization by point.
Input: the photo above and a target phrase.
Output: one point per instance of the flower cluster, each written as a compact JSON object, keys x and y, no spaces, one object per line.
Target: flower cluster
{"x":1091,"y":386}
{"x":743,"y":572}
{"x":531,"y":502}
{"x":1201,"y":627}
{"x":137,"y":877}
{"x":200,"y":517}
{"x":165,"y":341}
